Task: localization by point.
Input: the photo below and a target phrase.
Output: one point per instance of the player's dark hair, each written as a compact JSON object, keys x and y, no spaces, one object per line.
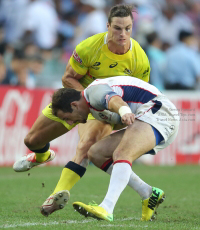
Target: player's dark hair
{"x":62,"y":98}
{"x":120,"y":11}
{"x":184,"y":34}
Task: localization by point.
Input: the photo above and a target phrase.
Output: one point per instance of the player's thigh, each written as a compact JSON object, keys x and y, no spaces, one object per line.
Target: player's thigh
{"x":103,"y":149}
{"x":44,"y":124}
{"x":138,"y":139}
{"x":43,"y":131}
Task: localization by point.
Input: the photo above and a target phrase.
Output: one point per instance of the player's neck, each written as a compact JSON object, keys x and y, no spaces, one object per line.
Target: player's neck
{"x":83,"y":103}
{"x":116,"y":49}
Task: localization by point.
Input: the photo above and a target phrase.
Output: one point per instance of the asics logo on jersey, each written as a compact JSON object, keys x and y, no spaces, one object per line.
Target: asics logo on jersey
{"x":96,"y":64}
{"x":113,"y":65}
{"x":153,"y":200}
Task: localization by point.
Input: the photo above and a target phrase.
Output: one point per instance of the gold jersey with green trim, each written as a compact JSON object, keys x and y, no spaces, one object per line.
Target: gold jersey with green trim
{"x":92,"y":59}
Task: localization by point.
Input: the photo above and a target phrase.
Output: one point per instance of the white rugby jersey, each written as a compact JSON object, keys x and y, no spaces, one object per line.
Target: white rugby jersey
{"x":133,"y":91}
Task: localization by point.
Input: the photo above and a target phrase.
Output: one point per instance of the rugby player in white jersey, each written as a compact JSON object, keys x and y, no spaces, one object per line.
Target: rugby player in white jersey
{"x":137,"y":105}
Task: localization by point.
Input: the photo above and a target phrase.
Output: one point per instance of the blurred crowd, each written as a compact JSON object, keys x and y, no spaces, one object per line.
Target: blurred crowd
{"x":37,"y":38}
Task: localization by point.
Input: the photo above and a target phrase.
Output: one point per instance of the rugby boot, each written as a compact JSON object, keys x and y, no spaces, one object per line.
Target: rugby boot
{"x":55,"y":202}
{"x":92,"y":210}
{"x":28,"y":161}
{"x":150,"y":205}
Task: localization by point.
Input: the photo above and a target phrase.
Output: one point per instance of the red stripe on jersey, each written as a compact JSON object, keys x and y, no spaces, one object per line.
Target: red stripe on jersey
{"x":89,"y":75}
{"x":85,"y":98}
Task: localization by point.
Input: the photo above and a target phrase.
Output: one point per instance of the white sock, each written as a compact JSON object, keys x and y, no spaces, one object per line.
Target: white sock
{"x":119,"y":179}
{"x":142,"y":188}
{"x":84,"y":163}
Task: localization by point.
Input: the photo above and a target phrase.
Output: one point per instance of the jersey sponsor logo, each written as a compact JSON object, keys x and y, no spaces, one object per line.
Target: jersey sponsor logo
{"x":96,"y":64}
{"x":146,"y":72}
{"x":127,"y":71}
{"x":76,"y":57}
{"x":113,"y":65}
{"x":102,"y":116}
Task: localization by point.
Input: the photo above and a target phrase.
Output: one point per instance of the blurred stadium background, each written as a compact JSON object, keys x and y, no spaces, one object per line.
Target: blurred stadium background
{"x":37,"y":38}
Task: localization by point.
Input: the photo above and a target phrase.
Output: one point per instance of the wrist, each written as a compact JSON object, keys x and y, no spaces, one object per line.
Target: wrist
{"x":124,"y":110}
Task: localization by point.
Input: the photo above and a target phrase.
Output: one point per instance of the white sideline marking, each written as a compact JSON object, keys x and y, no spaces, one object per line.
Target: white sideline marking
{"x":128,"y":218}
{"x":44,"y":224}
{"x":74,"y":222}
{"x":124,"y":225}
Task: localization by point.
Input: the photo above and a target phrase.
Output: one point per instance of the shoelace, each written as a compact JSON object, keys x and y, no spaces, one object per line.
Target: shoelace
{"x":93,"y":203}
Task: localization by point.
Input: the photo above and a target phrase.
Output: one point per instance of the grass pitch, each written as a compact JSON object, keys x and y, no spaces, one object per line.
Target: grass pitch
{"x":21,"y":195}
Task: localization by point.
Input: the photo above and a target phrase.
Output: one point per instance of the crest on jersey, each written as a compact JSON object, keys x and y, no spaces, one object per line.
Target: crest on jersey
{"x":146,"y":72}
{"x":102,"y":116}
{"x":127,"y":71}
{"x":76,"y":57}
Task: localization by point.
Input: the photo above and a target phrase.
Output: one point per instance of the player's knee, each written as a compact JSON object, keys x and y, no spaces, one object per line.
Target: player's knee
{"x":92,"y":153}
{"x":33,"y":141}
{"x":118,"y":155}
{"x":84,"y":145}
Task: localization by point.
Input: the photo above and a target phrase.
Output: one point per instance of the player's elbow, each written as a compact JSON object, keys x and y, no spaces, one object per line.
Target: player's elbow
{"x":64,"y":80}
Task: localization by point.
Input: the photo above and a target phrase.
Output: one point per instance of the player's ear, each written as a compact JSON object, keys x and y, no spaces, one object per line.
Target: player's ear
{"x":107,"y":25}
{"x":74,"y":105}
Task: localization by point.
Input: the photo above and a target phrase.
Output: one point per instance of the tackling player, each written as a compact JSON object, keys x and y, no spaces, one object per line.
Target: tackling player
{"x":103,"y":55}
{"x":136,"y":104}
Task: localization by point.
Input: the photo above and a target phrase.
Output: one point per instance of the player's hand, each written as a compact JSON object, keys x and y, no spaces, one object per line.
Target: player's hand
{"x":128,"y":118}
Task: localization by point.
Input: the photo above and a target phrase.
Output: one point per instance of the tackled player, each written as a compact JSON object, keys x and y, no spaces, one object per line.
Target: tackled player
{"x":136,"y":104}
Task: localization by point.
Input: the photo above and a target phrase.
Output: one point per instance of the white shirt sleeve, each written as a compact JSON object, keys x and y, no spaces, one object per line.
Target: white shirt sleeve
{"x":99,"y":95}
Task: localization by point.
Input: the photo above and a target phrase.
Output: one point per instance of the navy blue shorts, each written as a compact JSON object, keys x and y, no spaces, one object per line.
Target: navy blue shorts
{"x":158,"y":137}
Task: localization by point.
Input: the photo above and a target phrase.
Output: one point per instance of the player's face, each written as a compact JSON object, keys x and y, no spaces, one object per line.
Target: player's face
{"x":120,"y":30}
{"x":71,"y":118}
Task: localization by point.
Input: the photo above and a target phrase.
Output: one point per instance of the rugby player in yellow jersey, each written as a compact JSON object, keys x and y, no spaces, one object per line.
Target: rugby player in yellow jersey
{"x":103,"y":55}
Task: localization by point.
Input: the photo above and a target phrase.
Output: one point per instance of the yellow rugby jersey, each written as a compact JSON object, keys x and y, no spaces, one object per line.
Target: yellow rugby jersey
{"x":93,"y":59}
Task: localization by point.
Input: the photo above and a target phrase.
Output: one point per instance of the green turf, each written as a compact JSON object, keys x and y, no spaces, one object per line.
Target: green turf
{"x":21,"y":194}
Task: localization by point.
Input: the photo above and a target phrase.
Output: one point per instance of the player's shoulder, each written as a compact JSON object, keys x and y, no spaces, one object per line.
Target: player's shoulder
{"x":136,"y":46}
{"x":90,"y":48}
{"x":92,"y":43}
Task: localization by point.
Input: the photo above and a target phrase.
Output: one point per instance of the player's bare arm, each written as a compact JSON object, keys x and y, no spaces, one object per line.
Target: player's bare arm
{"x":117,"y":105}
{"x":70,"y":78}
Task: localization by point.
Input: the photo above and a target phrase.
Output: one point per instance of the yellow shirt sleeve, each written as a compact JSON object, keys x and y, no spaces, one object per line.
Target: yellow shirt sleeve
{"x":80,"y":59}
